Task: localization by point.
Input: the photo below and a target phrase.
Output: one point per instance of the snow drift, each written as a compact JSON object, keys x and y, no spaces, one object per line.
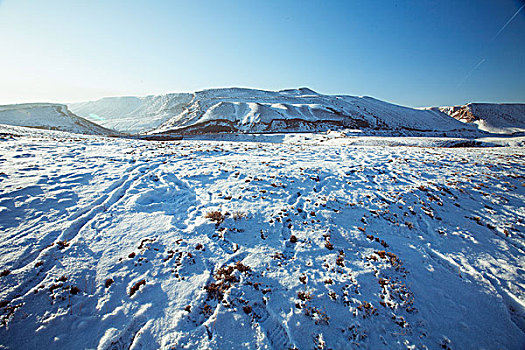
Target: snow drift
{"x":49,"y":116}
{"x":256,"y":111}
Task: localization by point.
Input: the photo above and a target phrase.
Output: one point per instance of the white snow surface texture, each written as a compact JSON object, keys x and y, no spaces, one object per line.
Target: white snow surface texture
{"x":110,"y":243}
{"x":249,"y":110}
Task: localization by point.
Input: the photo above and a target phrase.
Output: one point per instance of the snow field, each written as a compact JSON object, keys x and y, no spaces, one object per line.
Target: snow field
{"x":113,"y":244}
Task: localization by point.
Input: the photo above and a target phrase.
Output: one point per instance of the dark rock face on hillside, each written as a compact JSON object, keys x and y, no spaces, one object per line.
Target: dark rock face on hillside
{"x":462,"y":113}
{"x":275,"y":125}
{"x":507,"y":118}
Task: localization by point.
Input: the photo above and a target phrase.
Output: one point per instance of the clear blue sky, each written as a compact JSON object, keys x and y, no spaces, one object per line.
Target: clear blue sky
{"x":413,"y":52}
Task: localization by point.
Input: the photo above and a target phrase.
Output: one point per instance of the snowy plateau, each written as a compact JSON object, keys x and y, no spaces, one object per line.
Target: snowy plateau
{"x":280,"y":220}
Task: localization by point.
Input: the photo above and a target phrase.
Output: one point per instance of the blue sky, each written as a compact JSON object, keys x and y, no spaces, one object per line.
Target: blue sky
{"x":413,"y":52}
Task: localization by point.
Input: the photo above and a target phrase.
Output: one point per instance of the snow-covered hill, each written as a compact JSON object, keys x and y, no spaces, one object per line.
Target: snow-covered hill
{"x":495,"y":118}
{"x":132,"y":114}
{"x":49,"y":116}
{"x":249,"y":111}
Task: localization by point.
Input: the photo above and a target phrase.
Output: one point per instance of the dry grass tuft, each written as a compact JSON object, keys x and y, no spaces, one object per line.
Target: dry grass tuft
{"x":238,"y":215}
{"x":62,"y":244}
{"x":304,"y":296}
{"x":136,"y":287}
{"x":215,"y":216}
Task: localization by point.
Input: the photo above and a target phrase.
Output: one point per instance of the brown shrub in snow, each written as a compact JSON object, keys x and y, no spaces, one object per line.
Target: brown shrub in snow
{"x":136,"y":287}
{"x":62,"y":244}
{"x":215,"y":216}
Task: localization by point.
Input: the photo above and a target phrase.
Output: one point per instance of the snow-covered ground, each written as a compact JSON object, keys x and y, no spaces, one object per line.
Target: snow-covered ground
{"x":112,"y":243}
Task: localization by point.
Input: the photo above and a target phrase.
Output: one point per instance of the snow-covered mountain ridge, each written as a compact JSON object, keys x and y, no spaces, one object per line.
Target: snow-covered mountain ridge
{"x":49,"y":116}
{"x":256,"y":111}
{"x":132,"y":114}
{"x":505,"y":118}
{"x":244,"y":111}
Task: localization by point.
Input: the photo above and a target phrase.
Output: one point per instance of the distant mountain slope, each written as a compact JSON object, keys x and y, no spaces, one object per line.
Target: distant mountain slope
{"x":257,"y":111}
{"x":49,"y":116}
{"x":496,"y":118}
{"x":132,"y":114}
